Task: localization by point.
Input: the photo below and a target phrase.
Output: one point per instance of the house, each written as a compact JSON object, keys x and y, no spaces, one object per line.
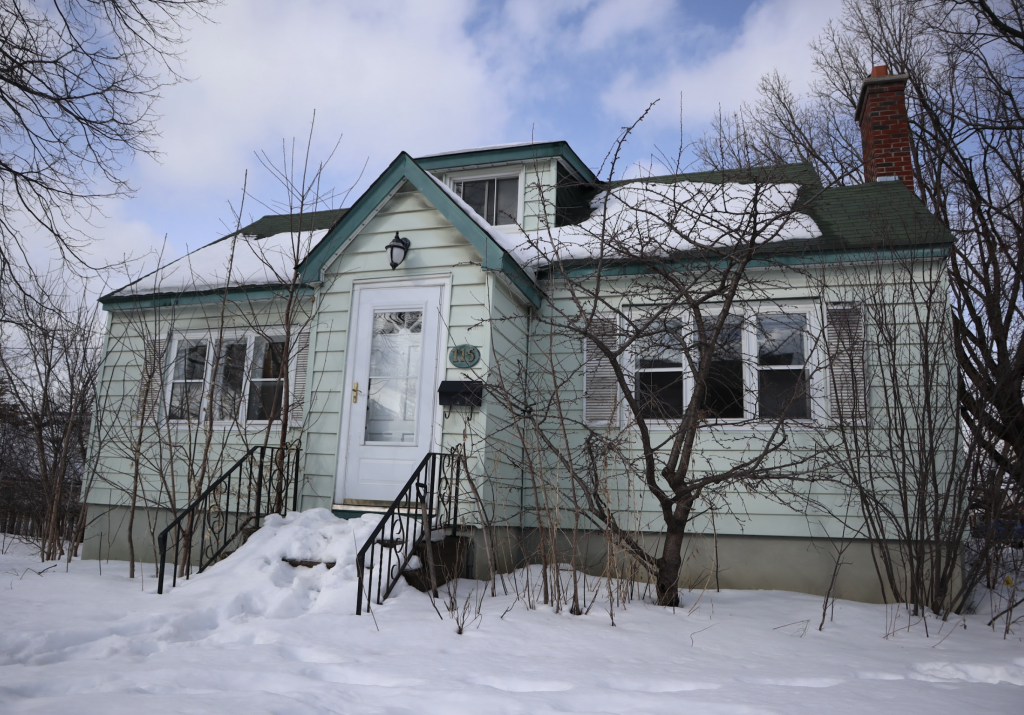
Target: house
{"x":354,"y":343}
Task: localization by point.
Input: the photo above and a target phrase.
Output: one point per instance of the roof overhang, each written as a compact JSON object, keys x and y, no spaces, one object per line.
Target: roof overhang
{"x":510,"y":154}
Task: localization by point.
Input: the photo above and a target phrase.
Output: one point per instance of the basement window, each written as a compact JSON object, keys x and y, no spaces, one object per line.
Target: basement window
{"x":495,"y":200}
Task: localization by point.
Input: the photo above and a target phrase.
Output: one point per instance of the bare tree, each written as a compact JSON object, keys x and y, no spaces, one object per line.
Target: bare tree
{"x":897,"y":449}
{"x":194,"y":386}
{"x":78,"y":80}
{"x":964,"y":64}
{"x":964,"y":60}
{"x":638,"y":385}
{"x":49,"y":358}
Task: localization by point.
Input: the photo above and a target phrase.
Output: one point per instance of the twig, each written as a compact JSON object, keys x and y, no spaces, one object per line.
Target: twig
{"x":791,"y":624}
{"x":37,"y":573}
{"x":700,"y":631}
{"x":1004,"y":611}
{"x":964,"y":621}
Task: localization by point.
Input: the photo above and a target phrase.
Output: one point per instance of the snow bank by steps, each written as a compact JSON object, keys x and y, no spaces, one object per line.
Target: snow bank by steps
{"x":256,"y":581}
{"x":255,"y":635}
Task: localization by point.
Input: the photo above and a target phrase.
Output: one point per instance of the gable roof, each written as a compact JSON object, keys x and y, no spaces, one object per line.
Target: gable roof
{"x":405,"y":168}
{"x":864,"y":217}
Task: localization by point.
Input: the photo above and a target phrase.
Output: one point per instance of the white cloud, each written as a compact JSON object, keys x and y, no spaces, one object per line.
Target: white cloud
{"x":390,"y":75}
{"x":395,"y":75}
{"x":774,"y":35}
{"x":126,"y":249}
{"x":611,"y":19}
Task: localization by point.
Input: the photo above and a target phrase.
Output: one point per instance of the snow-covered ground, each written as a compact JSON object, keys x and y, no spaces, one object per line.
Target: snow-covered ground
{"x":255,"y":635}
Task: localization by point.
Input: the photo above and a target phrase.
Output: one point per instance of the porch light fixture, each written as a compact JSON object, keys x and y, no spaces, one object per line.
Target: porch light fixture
{"x":397,"y":250}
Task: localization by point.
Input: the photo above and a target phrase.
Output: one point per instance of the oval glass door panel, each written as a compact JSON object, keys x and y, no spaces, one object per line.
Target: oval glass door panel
{"x":394,"y":376}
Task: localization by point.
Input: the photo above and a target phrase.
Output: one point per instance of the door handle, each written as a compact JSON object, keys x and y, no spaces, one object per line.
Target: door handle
{"x":355,"y":392}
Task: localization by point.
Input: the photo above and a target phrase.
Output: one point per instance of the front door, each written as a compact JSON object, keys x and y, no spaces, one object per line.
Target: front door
{"x":391,"y":391}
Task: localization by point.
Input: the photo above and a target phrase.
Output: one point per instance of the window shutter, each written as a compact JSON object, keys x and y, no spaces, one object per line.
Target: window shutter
{"x":151,"y":384}
{"x":299,"y":376}
{"x":601,"y":389}
{"x":847,"y":369}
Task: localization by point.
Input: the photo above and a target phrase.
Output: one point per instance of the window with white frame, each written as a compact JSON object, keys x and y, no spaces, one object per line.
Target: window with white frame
{"x":774,"y":386}
{"x":724,"y":388}
{"x":496,"y":200}
{"x":188,"y":379}
{"x":782,"y":367}
{"x":246,"y":379}
{"x":659,"y":372}
{"x":265,"y":383}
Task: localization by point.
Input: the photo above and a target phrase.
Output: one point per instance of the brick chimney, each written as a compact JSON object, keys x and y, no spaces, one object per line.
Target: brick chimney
{"x":884,"y":128}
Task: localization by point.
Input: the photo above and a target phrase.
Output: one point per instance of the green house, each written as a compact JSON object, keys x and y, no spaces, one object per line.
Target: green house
{"x":362,"y":340}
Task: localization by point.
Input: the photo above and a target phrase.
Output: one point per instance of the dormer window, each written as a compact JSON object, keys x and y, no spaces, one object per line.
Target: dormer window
{"x":496,"y":200}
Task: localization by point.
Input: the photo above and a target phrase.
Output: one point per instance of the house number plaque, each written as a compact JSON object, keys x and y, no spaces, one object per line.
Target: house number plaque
{"x":464,"y":356}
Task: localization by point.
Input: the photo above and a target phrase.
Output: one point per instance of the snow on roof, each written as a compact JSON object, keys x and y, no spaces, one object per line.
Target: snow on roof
{"x":646,"y":219}
{"x":252,"y":262}
{"x":656,"y":219}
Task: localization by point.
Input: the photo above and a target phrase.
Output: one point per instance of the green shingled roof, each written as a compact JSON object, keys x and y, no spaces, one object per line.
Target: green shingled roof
{"x":527,"y":151}
{"x":269,"y":225}
{"x":274,"y":224}
{"x":885,"y":214}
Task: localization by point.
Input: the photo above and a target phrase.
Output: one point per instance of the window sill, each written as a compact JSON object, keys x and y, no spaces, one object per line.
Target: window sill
{"x":246,"y":427}
{"x":741,"y":425}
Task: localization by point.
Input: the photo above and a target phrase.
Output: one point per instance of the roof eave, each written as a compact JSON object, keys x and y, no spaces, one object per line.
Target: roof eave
{"x":265,"y":291}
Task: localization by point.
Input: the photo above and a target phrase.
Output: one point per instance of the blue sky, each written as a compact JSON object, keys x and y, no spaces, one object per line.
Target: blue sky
{"x":393,"y":75}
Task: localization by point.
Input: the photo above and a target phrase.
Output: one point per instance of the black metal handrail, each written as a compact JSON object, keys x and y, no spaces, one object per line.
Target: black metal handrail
{"x":427,"y":503}
{"x":254,"y":487}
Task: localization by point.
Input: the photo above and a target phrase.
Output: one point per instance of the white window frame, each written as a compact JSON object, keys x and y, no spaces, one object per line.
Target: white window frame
{"x":232,"y":335}
{"x":518,"y":171}
{"x":684,"y":368}
{"x":817,"y":386}
{"x":816,"y":403}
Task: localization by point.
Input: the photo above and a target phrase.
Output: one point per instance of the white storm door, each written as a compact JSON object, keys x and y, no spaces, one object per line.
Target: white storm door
{"x":393,"y":353}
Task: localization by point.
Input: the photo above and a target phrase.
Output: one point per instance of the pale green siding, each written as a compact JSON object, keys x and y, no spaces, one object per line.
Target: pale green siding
{"x":169,"y":452}
{"x":739,"y":512}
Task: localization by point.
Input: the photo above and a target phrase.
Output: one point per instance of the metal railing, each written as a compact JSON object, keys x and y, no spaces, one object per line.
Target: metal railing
{"x":255,"y":486}
{"x":427,"y":504}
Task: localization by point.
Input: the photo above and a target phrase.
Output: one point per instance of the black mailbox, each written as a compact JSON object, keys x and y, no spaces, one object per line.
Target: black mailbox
{"x":461,"y":393}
